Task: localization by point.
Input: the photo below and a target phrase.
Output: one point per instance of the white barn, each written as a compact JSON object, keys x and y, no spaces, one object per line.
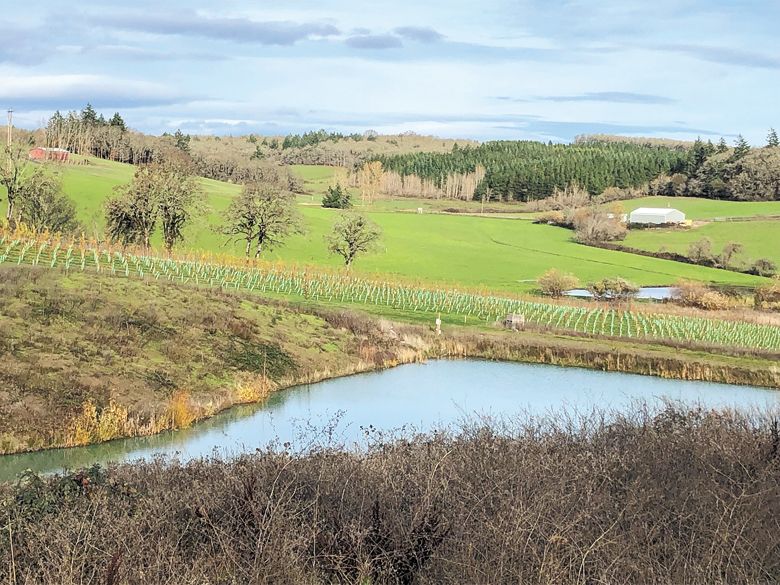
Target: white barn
{"x":656,"y":216}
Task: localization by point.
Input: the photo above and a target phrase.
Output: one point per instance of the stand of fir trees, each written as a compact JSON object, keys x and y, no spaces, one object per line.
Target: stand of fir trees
{"x":526,"y":171}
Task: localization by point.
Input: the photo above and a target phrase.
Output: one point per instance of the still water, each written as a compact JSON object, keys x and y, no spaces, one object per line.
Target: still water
{"x":656,"y":293}
{"x":416,"y":397}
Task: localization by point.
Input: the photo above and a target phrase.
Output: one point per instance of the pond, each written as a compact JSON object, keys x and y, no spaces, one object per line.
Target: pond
{"x":655,"y":293}
{"x":412,"y":397}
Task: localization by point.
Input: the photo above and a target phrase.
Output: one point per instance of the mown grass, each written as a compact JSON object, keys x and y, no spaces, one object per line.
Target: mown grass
{"x":761,"y":239}
{"x":493,"y":253}
{"x":695,"y":208}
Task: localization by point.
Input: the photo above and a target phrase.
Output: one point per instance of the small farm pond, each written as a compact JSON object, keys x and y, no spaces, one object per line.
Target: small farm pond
{"x":417,"y":397}
{"x":655,"y":293}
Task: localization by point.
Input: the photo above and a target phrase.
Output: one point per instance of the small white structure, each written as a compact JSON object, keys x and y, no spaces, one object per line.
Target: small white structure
{"x":656,"y":216}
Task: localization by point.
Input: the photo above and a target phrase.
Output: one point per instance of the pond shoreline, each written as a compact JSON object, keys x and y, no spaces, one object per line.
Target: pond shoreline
{"x":520,"y":347}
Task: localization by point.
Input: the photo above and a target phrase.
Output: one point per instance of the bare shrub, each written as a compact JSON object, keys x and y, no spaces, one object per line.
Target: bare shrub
{"x":668,"y":497}
{"x":727,"y":256}
{"x":621,"y":194}
{"x":596,"y":225}
{"x":553,"y":218}
{"x":768,"y":296}
{"x":695,"y":294}
{"x":701,"y":252}
{"x":571,"y":197}
{"x":613,"y":289}
{"x":764,"y":267}
{"x":554,"y":282}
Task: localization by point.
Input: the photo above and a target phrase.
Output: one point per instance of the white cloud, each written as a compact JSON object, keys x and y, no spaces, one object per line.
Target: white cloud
{"x":33,"y":92}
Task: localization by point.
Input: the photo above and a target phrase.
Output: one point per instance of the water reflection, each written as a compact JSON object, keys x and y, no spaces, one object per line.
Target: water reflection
{"x":416,"y":396}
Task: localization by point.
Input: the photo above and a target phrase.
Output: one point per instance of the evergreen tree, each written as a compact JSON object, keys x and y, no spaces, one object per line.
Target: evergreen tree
{"x":116,"y":121}
{"x":337,"y":198}
{"x":89,"y":116}
{"x":771,"y":139}
{"x":697,"y":157}
{"x":182,"y":141}
{"x":741,"y":148}
{"x":722,"y":146}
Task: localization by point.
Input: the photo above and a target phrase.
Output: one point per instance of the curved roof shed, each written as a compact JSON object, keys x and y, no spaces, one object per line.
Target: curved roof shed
{"x":656,"y":215}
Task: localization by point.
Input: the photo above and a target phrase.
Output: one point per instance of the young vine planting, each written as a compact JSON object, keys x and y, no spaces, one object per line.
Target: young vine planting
{"x":339,"y":288}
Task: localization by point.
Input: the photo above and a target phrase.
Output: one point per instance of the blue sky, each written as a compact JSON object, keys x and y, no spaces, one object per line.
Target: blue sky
{"x":524,"y":69}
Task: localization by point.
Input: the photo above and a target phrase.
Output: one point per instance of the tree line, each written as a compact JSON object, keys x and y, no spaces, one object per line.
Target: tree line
{"x":527,"y":170}
{"x":316,"y":137}
{"x":88,"y":133}
{"x":718,"y":171}
{"x":530,"y":171}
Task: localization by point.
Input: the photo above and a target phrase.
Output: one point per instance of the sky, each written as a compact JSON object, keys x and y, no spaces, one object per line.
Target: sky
{"x":493,"y":69}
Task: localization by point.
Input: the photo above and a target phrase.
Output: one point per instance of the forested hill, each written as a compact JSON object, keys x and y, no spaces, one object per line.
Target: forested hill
{"x":525,"y":170}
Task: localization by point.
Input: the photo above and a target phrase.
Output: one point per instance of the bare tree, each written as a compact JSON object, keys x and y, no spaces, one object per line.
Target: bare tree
{"x":370,"y":180}
{"x":14,"y":169}
{"x":730,"y":250}
{"x":592,"y":224}
{"x":178,"y":199}
{"x":264,"y":215}
{"x":43,"y":205}
{"x":353,"y":235}
{"x":164,"y":192}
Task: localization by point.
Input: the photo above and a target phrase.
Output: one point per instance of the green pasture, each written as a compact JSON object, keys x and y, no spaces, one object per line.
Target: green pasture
{"x":707,"y":209}
{"x":761,"y":239}
{"x":496,"y":253}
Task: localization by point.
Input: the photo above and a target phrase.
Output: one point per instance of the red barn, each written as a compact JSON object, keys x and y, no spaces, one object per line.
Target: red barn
{"x":55,"y":154}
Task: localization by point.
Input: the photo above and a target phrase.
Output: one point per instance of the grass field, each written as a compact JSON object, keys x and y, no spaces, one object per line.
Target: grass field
{"x":695,"y":208}
{"x":492,"y":252}
{"x":761,"y":239}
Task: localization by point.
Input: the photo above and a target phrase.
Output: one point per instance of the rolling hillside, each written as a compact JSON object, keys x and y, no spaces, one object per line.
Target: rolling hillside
{"x":467,"y":251}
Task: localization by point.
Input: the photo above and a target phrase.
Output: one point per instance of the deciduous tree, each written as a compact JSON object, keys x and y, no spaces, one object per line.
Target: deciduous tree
{"x":264,"y":216}
{"x":14,"y":170}
{"x":370,"y":180}
{"x":353,"y":235}
{"x":162,"y":192}
{"x":43,"y":205}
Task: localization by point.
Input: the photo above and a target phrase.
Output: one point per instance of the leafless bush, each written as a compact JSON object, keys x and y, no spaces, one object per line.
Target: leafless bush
{"x":571,"y":197}
{"x":696,"y":294}
{"x":555,"y":283}
{"x":671,"y":497}
{"x":621,"y":194}
{"x":596,"y":225}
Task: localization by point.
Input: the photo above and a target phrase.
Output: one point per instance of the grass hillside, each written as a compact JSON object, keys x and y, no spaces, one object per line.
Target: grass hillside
{"x":150,"y":356}
{"x":758,"y":232}
{"x":495,"y":253}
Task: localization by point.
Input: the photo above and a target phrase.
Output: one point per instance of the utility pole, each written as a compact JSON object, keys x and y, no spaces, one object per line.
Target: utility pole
{"x":10,"y":127}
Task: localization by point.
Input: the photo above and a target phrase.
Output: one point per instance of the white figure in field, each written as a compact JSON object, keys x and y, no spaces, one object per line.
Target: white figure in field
{"x":438,"y":325}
